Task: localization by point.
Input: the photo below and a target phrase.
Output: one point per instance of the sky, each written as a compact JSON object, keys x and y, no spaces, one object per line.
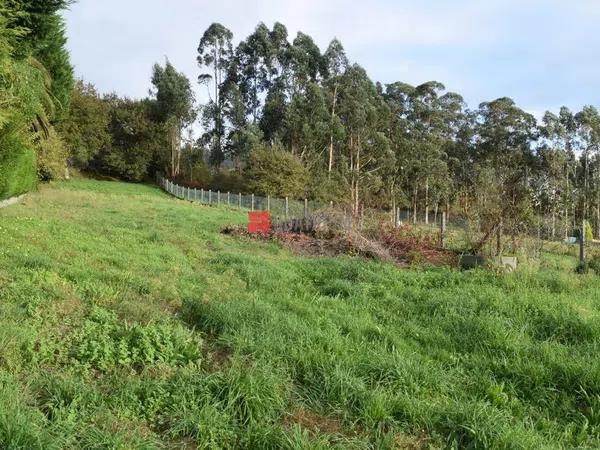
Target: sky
{"x":542,"y":53}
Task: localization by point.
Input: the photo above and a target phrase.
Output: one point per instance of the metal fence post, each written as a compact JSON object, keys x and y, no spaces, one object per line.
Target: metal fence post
{"x":252,"y":202}
{"x":287,"y":207}
{"x":210,"y":196}
{"x":240,"y":200}
{"x":268,"y":203}
{"x":306,"y":208}
{"x":229,"y":199}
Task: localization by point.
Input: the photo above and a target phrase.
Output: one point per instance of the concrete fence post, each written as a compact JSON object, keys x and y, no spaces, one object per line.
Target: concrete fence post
{"x":252,"y":202}
{"x":306,"y":208}
{"x":287,"y":207}
{"x":240,"y":200}
{"x":218,"y":198}
{"x":268,"y":203}
{"x":210,"y":196}
{"x":229,"y":199}
{"x":443,"y":231}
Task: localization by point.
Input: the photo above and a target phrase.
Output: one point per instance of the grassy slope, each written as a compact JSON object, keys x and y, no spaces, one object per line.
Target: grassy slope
{"x":128,"y":321}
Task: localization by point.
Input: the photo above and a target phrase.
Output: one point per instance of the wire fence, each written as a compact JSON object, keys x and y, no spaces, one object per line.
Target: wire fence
{"x":285,"y":209}
{"x":280,"y":208}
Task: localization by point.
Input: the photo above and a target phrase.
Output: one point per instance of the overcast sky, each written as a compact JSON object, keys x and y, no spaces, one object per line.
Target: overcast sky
{"x":542,"y":53}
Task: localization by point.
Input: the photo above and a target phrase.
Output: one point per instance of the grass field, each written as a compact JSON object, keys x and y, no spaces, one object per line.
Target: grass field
{"x":128,"y":321}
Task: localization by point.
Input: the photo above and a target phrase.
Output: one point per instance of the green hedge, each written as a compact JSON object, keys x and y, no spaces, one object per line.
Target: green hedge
{"x":18,"y":171}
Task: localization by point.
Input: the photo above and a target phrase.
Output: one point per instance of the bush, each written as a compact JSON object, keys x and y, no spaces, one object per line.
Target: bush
{"x":51,"y":156}
{"x":594,"y":264}
{"x":136,"y":141}
{"x":276,"y":172}
{"x":228,"y":181}
{"x":17,"y":165}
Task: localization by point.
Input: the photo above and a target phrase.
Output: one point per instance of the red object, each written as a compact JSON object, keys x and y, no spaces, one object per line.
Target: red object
{"x":259,"y":222}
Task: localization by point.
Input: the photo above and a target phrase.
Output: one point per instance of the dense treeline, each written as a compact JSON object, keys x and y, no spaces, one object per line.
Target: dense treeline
{"x":285,"y":118}
{"x":36,"y":80}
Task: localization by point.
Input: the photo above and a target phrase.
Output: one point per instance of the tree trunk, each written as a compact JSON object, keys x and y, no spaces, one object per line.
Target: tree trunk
{"x":416,"y":192}
{"x":357,"y":204}
{"x":352,"y":176}
{"x":499,"y":239}
{"x":331,"y":131}
{"x":427,"y":201}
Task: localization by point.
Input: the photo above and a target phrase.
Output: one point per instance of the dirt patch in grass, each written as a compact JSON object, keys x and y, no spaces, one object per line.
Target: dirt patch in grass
{"x":219,"y":356}
{"x":313,"y":422}
{"x":410,"y":442}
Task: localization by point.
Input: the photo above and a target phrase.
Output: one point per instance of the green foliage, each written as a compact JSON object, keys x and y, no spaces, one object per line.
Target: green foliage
{"x":31,"y":37}
{"x":589,"y":233}
{"x":17,"y":164}
{"x":85,"y":129}
{"x":174,"y":108}
{"x":52,"y":155}
{"x":104,"y":343}
{"x":272,"y":171}
{"x":228,"y":181}
{"x":136,"y":144}
{"x":45,"y":40}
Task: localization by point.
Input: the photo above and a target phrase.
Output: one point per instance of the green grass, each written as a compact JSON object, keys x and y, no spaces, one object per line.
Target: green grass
{"x":128,"y":321}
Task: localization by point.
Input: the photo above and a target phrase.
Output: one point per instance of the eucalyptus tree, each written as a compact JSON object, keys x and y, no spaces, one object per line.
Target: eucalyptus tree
{"x":274,"y":111}
{"x":306,"y":126}
{"x":504,"y":156}
{"x":242,"y":136}
{"x":174,"y":107}
{"x":363,"y":113}
{"x":253,"y":61}
{"x":336,"y":63}
{"x":215,"y":53}
{"x":424,"y":123}
{"x":557,"y":162}
{"x":588,"y":134}
{"x":306,"y":64}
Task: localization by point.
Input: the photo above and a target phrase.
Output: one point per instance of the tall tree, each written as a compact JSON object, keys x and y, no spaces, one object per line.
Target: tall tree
{"x":504,"y":154}
{"x":215,"y":52}
{"x":368,"y":150}
{"x":85,"y":128}
{"x":336,"y":64}
{"x":174,"y":107}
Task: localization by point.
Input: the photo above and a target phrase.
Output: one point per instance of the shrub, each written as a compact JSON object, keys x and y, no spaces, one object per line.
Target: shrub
{"x":17,"y":165}
{"x":273,"y":171}
{"x":51,"y":156}
{"x":228,"y":181}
